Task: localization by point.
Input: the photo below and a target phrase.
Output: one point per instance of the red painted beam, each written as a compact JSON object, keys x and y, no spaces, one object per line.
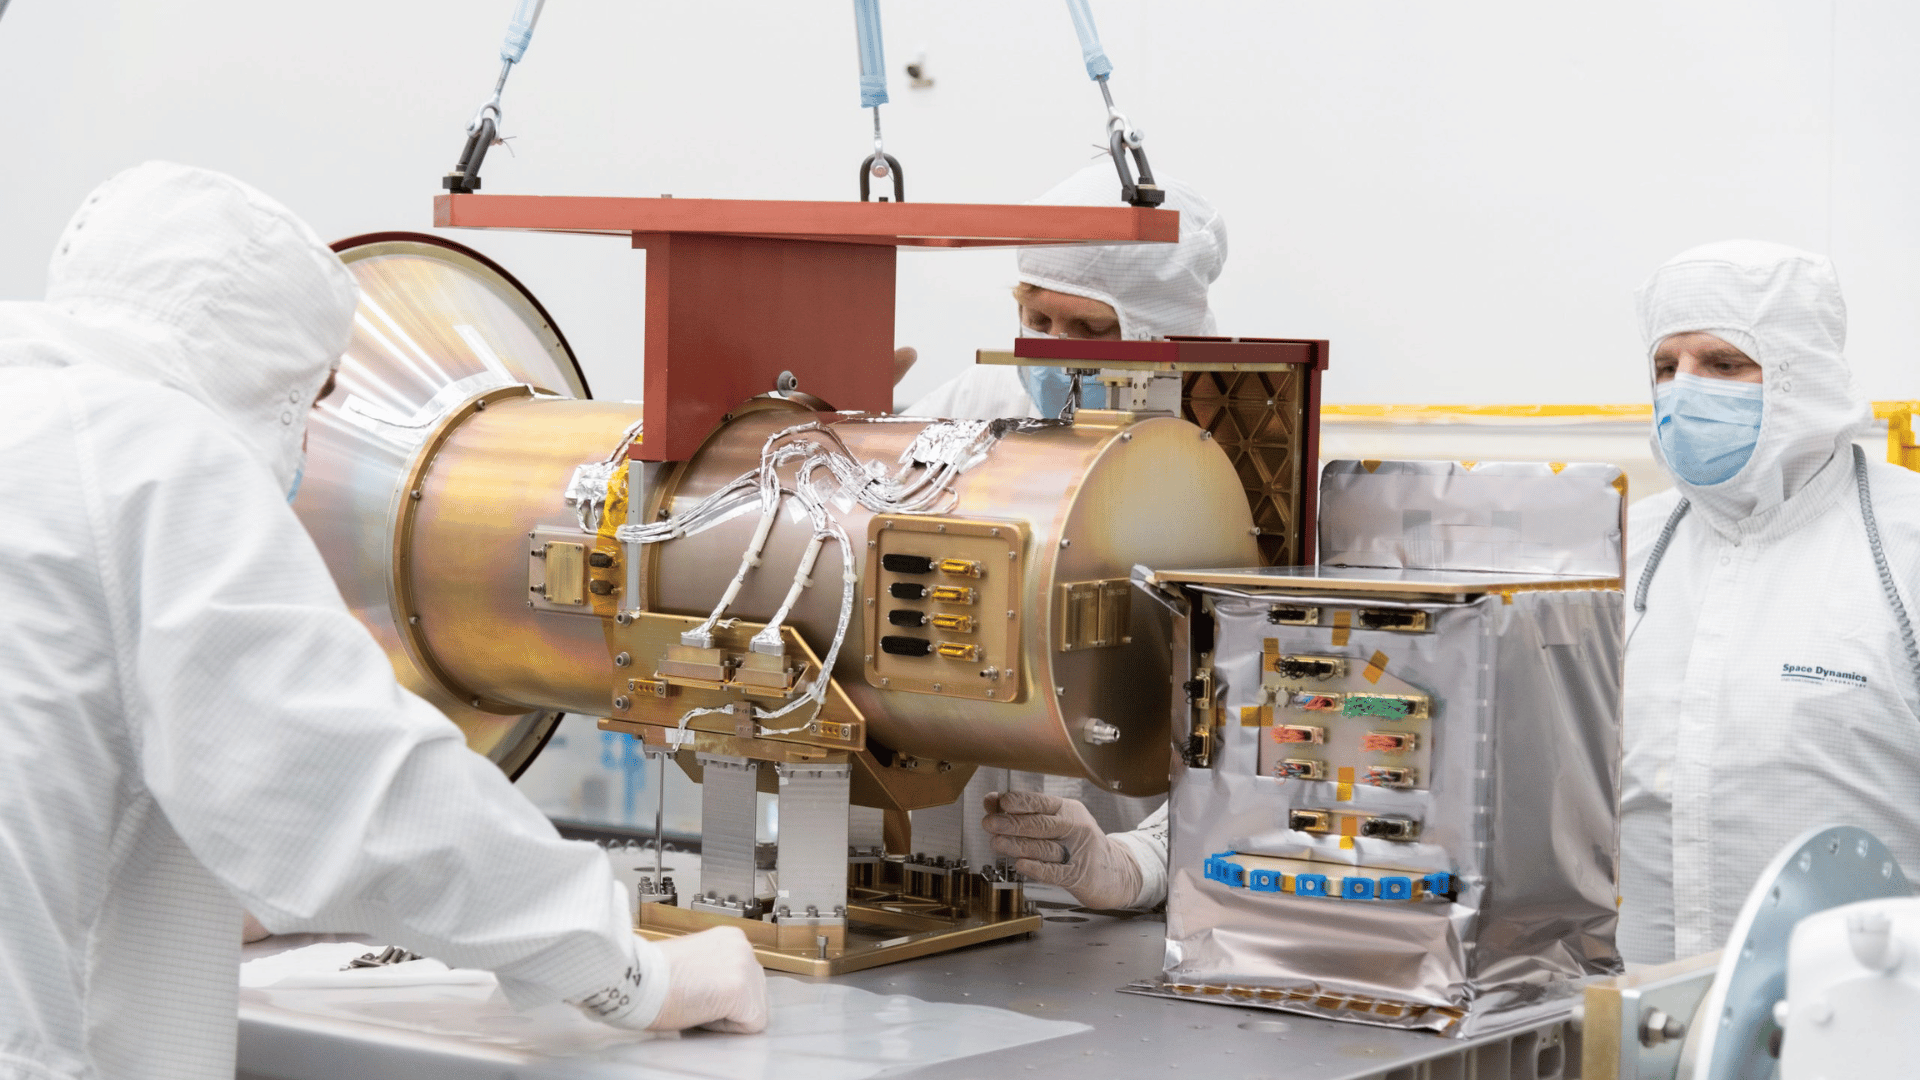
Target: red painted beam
{"x":897,"y":224}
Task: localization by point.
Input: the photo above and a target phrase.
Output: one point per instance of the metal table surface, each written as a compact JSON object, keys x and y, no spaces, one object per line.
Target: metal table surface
{"x":1070,"y":970}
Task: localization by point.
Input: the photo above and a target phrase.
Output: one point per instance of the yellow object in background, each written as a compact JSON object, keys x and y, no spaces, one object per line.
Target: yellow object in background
{"x":1902,"y":450}
{"x":1903,"y":445}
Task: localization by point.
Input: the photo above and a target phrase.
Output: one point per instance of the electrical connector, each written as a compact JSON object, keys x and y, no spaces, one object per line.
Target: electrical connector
{"x":1313,"y":821}
{"x":1315,"y":702}
{"x":1309,"y":667}
{"x":962,"y":624}
{"x":1387,"y":707}
{"x":959,"y":567}
{"x":1300,"y":769}
{"x":1390,"y":828}
{"x":1389,"y":742}
{"x":1389,"y":776}
{"x":951,"y":594}
{"x":958,"y":650}
{"x":1299,"y":733}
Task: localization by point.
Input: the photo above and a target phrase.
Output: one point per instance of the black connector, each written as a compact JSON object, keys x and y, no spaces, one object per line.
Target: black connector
{"x":907,"y":590}
{"x":907,"y":617}
{"x":1294,"y":667}
{"x":900,"y":645}
{"x":906,"y":564}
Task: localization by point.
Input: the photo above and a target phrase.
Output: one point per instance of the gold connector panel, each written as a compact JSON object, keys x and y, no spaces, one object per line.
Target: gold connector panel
{"x":959,"y":623}
{"x":959,"y":567}
{"x":956,"y":650}
{"x":951,"y":594}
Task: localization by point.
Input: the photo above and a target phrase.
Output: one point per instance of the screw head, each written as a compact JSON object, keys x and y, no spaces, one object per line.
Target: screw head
{"x":414,"y":494}
{"x":414,"y":620}
{"x":1064,"y":542}
{"x":475,"y":703}
{"x":622,"y":660}
{"x":622,"y":702}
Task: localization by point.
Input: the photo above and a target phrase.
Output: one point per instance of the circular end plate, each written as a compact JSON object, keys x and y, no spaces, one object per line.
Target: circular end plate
{"x":1825,"y":868}
{"x":438,"y":324}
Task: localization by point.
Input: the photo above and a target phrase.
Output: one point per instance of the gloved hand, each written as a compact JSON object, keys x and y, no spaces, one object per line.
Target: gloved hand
{"x":1056,"y":841}
{"x":710,"y":979}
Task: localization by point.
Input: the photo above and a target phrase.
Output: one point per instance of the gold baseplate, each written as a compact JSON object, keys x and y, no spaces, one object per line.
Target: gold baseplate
{"x":899,"y":908}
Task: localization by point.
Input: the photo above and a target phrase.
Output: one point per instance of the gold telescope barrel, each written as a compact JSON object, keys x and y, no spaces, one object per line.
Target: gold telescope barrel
{"x":993,"y":626}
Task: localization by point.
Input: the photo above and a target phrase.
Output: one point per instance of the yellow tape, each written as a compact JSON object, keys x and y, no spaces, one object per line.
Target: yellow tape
{"x":1342,"y":627}
{"x":1370,"y":464}
{"x":1343,"y":792}
{"x":616,"y":513}
{"x":1556,"y":466}
{"x":1620,"y":484}
{"x":1346,"y":842}
{"x":1377,"y":666}
{"x":1468,"y":465}
{"x":1256,"y":715}
{"x":1349,"y":826}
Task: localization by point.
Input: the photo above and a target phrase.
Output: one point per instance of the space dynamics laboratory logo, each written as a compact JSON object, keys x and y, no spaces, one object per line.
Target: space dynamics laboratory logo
{"x":1813,"y":673}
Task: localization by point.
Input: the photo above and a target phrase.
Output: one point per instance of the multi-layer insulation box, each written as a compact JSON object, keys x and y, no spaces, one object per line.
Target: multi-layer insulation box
{"x":1394,"y":799}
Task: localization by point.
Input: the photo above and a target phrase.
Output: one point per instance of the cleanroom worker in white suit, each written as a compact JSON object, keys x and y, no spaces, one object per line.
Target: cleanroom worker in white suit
{"x":1110,"y":292}
{"x":191,"y":719}
{"x":1771,"y":668}
{"x":1119,"y":291}
{"x":1772,"y":681}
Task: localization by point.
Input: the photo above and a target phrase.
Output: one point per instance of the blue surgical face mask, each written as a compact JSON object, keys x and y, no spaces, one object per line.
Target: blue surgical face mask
{"x":1707,"y":427}
{"x":1048,"y":387}
{"x":299,"y":474}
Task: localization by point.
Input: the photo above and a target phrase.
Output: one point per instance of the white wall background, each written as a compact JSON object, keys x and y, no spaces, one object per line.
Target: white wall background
{"x":1460,"y":196}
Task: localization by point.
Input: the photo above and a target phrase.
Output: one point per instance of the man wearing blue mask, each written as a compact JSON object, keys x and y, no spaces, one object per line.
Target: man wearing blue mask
{"x":1771,"y":670}
{"x":1113,"y":292}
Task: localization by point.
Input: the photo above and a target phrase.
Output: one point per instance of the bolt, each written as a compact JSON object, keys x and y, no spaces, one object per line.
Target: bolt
{"x":1658,"y":1028}
{"x":481,"y":404}
{"x":1205,"y":435}
{"x":873,"y":543}
{"x":622,"y":660}
{"x":989,"y":692}
{"x":1126,"y":436}
{"x":532,"y":533}
{"x":476,"y":703}
{"x":1059,"y":691}
{"x":1064,"y":542}
{"x":622,"y":618}
{"x":622,"y":702}
{"x":939,"y":528}
{"x":936,"y":688}
{"x":414,"y":494}
{"x":414,"y":620}
{"x":869,"y":658}
{"x":885,"y":681}
{"x":1009,"y":613}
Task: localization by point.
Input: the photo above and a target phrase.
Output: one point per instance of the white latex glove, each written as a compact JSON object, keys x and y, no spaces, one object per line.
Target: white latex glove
{"x":710,"y":979}
{"x":1056,"y":841}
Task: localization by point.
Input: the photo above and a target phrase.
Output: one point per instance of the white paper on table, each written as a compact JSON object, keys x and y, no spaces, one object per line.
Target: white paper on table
{"x":319,"y":967}
{"x":815,"y":1031}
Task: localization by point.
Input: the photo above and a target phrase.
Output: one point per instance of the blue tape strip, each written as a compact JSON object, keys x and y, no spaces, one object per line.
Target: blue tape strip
{"x":520,"y":30}
{"x":873,"y":59}
{"x":1095,"y":57}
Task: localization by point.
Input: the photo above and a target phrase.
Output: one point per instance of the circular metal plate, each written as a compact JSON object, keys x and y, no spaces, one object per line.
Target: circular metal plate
{"x":1826,"y":868}
{"x":438,"y":324}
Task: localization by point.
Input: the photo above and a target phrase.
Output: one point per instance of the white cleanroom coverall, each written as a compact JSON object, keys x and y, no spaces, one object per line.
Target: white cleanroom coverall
{"x":190,"y":717}
{"x":1768,"y":689}
{"x":1156,"y":289}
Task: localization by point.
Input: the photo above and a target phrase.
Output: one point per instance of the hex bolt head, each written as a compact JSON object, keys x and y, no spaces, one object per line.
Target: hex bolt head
{"x":622,"y":702}
{"x":1064,"y":542}
{"x":414,"y":494}
{"x":622,"y":660}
